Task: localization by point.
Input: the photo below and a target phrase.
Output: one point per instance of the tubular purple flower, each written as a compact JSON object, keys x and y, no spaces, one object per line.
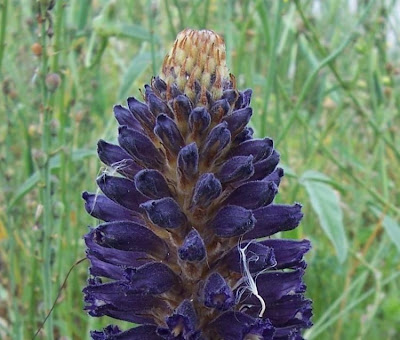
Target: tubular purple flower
{"x":186,"y":248}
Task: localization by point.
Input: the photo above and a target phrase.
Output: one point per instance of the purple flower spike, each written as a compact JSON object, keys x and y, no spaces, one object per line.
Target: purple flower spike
{"x":217,"y":293}
{"x":193,"y":248}
{"x":184,"y":249}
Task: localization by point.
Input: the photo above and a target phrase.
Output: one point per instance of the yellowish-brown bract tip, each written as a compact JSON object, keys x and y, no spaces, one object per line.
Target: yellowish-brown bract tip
{"x":197,"y":61}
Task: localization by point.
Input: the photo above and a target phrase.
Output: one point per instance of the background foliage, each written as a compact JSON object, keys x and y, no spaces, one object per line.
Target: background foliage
{"x":326,"y":79}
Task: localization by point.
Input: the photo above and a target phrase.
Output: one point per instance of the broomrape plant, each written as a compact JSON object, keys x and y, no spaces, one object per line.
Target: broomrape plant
{"x":186,"y":247}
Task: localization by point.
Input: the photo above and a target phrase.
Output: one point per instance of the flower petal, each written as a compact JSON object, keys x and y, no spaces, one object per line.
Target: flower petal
{"x":125,"y":117}
{"x":169,"y":134}
{"x":183,"y":321}
{"x":217,"y":293}
{"x":259,"y":148}
{"x":199,"y":121}
{"x":217,"y":140}
{"x":238,"y":119}
{"x":274,"y":218}
{"x":207,"y":188}
{"x":165,"y":213}
{"x":146,"y":332}
{"x":117,"y":158}
{"x":219,"y":109}
{"x":265,"y":167}
{"x":252,"y":195}
{"x":141,"y":148}
{"x":193,"y":248}
{"x":258,"y":257}
{"x":289,"y":253}
{"x":188,"y":161}
{"x":235,"y":169}
{"x":121,"y":190}
{"x":129,"y":236}
{"x":101,"y":207}
{"x":142,"y":113}
{"x":151,"y":278}
{"x":236,"y":325}
{"x":152,"y":184}
{"x":232,"y":220}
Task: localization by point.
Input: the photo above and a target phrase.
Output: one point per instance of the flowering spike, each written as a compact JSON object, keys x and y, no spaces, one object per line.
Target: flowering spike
{"x":190,"y":195}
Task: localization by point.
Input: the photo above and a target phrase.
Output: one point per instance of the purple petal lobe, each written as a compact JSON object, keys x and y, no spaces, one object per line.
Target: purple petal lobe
{"x":258,"y":256}
{"x":246,"y":134}
{"x":292,"y":309}
{"x":169,"y":134}
{"x":289,"y":253}
{"x":217,"y":294}
{"x":216,"y":141}
{"x":236,"y":325}
{"x":264,"y":167}
{"x":141,"y":148}
{"x":244,"y":99}
{"x":156,"y":105}
{"x":193,"y":248}
{"x":104,"y":269}
{"x":199,"y":121}
{"x":152,"y":184}
{"x":252,"y":195}
{"x":101,"y":207}
{"x":121,"y":190}
{"x":125,"y":117}
{"x":231,"y":96}
{"x":275,"y":218}
{"x":151,"y":278}
{"x":141,"y":113}
{"x":235,"y":169}
{"x":159,"y":86}
{"x":183,"y":322}
{"x":165,"y":213}
{"x":238,"y":120}
{"x":114,"y":256}
{"x":129,"y":236}
{"x":259,"y":148}
{"x":275,"y":176}
{"x":188,"y":161}
{"x":219,"y":109}
{"x":182,"y":108}
{"x":116,"y":157}
{"x":233,"y":221}
{"x":274,"y":285}
{"x":206,"y":190}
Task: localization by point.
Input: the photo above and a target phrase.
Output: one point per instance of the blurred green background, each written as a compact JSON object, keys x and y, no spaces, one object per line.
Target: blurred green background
{"x":325,"y":76}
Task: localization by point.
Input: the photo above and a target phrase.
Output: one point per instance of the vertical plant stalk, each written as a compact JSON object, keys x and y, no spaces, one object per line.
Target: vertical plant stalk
{"x":4,"y":7}
{"x":46,"y":183}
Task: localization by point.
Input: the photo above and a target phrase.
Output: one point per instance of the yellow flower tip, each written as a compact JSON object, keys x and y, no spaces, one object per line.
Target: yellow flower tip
{"x":197,"y":58}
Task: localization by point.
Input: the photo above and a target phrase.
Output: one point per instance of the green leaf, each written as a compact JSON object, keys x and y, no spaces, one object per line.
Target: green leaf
{"x":55,"y":162}
{"x":393,"y":230}
{"x":107,"y":29}
{"x":138,"y":65}
{"x":325,"y":202}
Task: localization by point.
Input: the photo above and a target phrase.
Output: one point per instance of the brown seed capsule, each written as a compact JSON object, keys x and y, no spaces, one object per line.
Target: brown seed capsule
{"x":36,"y":49}
{"x":53,"y":81}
